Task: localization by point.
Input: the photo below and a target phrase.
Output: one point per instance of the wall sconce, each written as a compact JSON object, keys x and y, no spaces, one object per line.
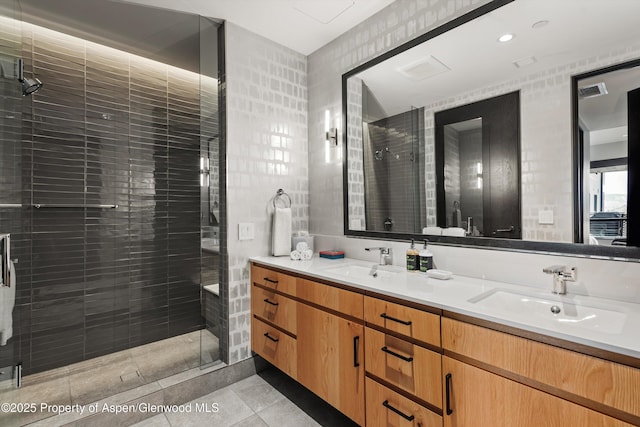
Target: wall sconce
{"x":204,"y":171}
{"x":330,"y":136}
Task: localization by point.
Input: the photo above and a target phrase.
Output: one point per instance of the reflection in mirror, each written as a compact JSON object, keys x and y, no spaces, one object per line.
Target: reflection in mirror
{"x":463,"y":62}
{"x":393,"y":171}
{"x":463,"y":176}
{"x":606,"y":114}
{"x":477,"y":162}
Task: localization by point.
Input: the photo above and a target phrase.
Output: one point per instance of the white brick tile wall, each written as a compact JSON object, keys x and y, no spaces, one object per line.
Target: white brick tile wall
{"x":266,"y":150}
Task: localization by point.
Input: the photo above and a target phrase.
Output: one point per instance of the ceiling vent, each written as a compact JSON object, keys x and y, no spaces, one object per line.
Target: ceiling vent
{"x":423,"y":68}
{"x":325,"y":11}
{"x":592,"y":91}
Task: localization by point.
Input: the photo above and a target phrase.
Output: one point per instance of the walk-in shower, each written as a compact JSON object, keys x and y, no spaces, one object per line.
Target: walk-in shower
{"x":393,"y":158}
{"x":114,"y":231}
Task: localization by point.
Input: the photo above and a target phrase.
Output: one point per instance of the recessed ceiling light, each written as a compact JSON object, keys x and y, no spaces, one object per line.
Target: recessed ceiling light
{"x":539,"y":24}
{"x":505,"y":38}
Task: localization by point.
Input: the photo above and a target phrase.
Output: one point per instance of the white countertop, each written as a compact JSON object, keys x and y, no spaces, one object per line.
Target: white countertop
{"x":454,"y":295}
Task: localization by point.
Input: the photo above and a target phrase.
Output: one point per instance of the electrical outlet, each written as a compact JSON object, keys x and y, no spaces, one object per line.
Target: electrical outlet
{"x":246,"y":231}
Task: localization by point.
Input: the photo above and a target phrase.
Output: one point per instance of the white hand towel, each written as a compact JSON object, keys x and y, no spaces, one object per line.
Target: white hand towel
{"x":7,"y":301}
{"x":281,"y":239}
{"x":306,"y":255}
{"x":295,"y":255}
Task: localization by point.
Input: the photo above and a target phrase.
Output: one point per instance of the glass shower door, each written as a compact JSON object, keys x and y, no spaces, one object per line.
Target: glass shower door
{"x":212,"y":335}
{"x":12,"y":244}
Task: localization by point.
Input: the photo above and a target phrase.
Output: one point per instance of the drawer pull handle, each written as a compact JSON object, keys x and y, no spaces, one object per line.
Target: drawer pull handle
{"x":271,"y":302}
{"x":404,"y":322}
{"x":266,"y":334}
{"x":356,"y":343}
{"x":399,"y":356}
{"x":266,"y":279}
{"x":397,"y":411}
{"x":447,"y":384}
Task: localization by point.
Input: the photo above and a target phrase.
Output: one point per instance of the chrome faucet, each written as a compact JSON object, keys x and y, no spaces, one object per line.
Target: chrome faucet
{"x":385,"y":255}
{"x":560,"y":277}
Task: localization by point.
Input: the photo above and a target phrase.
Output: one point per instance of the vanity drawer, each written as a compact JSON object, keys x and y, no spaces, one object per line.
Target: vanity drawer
{"x":603,"y":382}
{"x":387,"y":408}
{"x":331,"y":297}
{"x":405,"y":365}
{"x":417,"y":324}
{"x":273,"y":279}
{"x":274,"y":346}
{"x":275,"y":308}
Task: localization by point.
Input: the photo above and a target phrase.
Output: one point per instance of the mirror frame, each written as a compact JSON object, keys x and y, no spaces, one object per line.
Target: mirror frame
{"x":617,"y":253}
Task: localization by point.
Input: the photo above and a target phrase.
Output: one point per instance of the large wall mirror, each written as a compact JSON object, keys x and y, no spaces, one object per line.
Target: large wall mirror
{"x":508,"y":177}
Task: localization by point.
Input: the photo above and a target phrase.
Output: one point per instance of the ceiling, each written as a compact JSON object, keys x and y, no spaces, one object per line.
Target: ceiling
{"x":470,"y":57}
{"x":302,"y":25}
{"x":159,"y":34}
{"x":169,"y":31}
{"x":605,"y":116}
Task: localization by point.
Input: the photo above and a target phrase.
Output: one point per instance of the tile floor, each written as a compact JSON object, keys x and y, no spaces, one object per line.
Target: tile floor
{"x":101,"y":377}
{"x":267,"y":399}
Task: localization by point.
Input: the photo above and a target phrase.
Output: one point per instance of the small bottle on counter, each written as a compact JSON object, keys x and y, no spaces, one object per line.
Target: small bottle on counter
{"x":426,"y":258}
{"x":413,"y":258}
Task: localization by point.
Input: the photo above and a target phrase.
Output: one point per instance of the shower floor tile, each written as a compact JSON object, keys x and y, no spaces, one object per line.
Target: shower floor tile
{"x":105,"y":376}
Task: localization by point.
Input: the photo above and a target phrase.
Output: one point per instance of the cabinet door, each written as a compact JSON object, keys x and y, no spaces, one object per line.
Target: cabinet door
{"x":479,"y":398}
{"x":330,"y":359}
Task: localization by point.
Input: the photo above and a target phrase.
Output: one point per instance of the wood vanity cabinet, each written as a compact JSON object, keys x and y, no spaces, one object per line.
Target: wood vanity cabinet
{"x":314,"y":332}
{"x":273,"y":318}
{"x":403,"y":365}
{"x":385,"y":362}
{"x":330,"y":346}
{"x":493,"y":378}
{"x":330,"y":359}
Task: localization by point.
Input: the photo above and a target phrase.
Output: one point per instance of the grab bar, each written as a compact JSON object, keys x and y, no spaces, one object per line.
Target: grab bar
{"x":5,"y":265}
{"x":10,"y":205}
{"x":40,"y":206}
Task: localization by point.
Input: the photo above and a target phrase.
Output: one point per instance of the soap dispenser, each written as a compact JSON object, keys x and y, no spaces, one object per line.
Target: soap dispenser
{"x":413,"y":258}
{"x":426,"y":258}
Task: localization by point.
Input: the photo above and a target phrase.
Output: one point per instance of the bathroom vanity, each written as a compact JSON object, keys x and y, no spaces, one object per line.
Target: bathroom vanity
{"x":403,"y":349}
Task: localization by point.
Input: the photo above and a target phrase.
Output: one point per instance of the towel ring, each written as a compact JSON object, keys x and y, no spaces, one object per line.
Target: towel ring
{"x":280,"y":196}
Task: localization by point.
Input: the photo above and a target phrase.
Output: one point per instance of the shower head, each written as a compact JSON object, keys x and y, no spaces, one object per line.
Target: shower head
{"x":29,"y":85}
{"x":379,"y":154}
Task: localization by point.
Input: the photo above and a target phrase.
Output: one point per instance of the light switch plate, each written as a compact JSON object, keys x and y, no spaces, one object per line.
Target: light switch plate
{"x":545,"y":217}
{"x":246,"y":231}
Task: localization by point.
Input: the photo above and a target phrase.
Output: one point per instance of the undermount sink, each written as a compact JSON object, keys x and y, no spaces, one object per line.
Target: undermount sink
{"x":362,"y":272}
{"x":552,"y":311}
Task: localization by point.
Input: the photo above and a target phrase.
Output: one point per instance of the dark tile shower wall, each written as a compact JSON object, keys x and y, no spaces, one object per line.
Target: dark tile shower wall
{"x":395,"y":185}
{"x":108,"y":128}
